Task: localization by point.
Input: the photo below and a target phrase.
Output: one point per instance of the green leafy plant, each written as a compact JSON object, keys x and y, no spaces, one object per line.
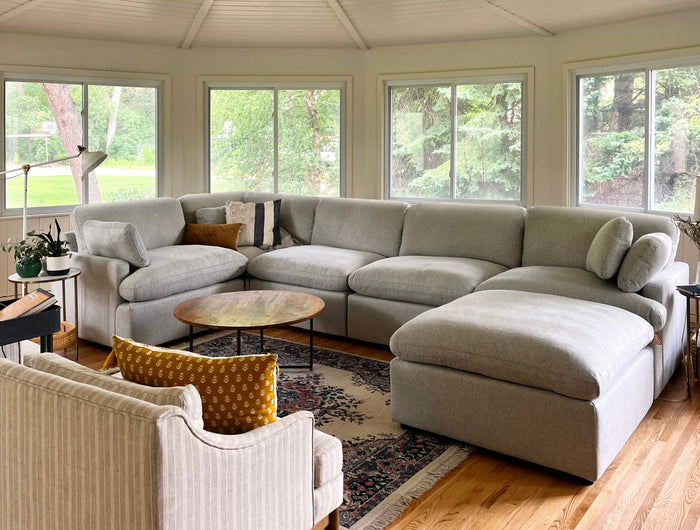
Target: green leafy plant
{"x":55,"y":246}
{"x":26,"y":251}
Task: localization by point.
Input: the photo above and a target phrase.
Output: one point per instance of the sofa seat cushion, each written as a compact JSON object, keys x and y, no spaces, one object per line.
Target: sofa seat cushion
{"x":580,"y":284}
{"x":571,"y":347}
{"x":430,"y":280}
{"x":328,"y":458}
{"x":181,"y":268}
{"x":316,"y":266}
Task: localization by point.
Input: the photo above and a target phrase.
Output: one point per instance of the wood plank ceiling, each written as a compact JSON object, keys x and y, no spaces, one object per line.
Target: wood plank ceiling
{"x":360,"y":24}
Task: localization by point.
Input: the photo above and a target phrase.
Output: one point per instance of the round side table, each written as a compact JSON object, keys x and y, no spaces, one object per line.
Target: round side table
{"x":73,"y":273}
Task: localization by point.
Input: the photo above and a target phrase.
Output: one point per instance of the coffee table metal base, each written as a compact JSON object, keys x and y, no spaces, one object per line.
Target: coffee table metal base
{"x":310,"y":366}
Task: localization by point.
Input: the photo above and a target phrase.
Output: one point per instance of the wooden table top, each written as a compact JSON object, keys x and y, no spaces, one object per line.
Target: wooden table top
{"x":249,"y":309}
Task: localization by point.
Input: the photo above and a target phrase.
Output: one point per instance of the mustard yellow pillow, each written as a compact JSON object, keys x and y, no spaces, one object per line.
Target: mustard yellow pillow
{"x":238,"y":393}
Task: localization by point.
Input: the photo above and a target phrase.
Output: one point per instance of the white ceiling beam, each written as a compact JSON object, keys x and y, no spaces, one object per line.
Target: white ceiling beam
{"x":12,"y":13}
{"x":513,"y":18}
{"x":196,"y":23}
{"x":345,"y":21}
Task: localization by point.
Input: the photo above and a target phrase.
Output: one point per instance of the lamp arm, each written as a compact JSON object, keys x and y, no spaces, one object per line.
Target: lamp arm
{"x":53,"y":161}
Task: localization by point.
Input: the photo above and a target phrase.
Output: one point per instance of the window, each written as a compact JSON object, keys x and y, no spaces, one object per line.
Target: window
{"x":638,"y":138}
{"x":47,"y":119}
{"x":285,"y":139}
{"x":456,"y":140}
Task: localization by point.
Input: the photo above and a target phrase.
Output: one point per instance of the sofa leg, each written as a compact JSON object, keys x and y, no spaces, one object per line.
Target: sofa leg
{"x":334,"y":519}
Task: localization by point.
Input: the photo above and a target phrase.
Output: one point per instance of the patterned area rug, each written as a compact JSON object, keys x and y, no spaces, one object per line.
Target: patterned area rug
{"x":385,"y":466}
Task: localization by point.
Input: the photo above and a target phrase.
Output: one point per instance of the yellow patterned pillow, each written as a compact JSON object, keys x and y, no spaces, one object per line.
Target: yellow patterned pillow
{"x":238,"y":393}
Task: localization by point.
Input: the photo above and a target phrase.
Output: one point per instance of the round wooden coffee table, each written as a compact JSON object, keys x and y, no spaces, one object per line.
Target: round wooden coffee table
{"x":248,"y":310}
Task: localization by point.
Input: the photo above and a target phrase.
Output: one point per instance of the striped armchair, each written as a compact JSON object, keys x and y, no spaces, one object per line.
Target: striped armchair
{"x":75,"y":456}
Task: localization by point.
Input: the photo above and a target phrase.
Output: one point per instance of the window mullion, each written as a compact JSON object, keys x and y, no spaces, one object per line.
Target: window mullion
{"x":275,"y":134}
{"x":650,"y":147}
{"x":453,"y":145}
{"x":84,"y":114}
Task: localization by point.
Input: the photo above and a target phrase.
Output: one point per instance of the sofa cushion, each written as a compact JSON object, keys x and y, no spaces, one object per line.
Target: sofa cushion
{"x":430,"y":280}
{"x":260,"y":220}
{"x":360,"y":224}
{"x":238,"y":393}
{"x":572,"y":347}
{"x":609,"y":247}
{"x":486,"y":232}
{"x":115,"y":239}
{"x":316,"y":266}
{"x":643,"y":261}
{"x":561,"y":236}
{"x":181,"y":268}
{"x":219,"y":235}
{"x":185,"y":397}
{"x":580,"y":284}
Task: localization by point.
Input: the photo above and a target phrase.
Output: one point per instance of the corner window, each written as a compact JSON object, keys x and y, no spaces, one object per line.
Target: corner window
{"x":47,"y":119}
{"x":456,"y":140}
{"x":638,"y":138}
{"x":284,"y":139}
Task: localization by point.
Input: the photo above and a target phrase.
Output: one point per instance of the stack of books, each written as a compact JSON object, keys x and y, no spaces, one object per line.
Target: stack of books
{"x":29,"y":304}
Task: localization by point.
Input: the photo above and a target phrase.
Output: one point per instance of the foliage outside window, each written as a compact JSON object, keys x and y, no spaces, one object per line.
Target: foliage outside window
{"x":48,"y":120}
{"x":459,"y":140}
{"x":286,"y":140}
{"x":639,"y":138}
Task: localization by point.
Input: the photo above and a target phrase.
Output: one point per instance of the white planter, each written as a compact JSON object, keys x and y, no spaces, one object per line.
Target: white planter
{"x":57,"y":266}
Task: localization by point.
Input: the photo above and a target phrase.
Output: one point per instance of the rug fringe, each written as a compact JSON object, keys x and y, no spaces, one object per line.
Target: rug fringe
{"x":395,"y":504}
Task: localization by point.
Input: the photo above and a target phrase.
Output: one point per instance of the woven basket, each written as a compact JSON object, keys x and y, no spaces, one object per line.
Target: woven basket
{"x":64,"y":338}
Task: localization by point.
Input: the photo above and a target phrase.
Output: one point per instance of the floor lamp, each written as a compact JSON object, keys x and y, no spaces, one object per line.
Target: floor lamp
{"x":90,"y":160}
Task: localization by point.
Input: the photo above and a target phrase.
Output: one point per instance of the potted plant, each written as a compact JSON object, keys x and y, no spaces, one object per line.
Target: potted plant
{"x":28,"y":254}
{"x":57,"y":256}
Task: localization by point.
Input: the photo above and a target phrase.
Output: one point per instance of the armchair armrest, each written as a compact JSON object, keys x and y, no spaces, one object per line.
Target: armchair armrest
{"x":98,"y":294}
{"x":261,"y":479}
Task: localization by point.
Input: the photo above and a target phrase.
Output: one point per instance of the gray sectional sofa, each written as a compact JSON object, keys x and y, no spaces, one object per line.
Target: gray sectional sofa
{"x":503,"y":337}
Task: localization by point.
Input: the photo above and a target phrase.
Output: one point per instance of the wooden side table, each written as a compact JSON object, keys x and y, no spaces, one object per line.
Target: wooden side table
{"x":73,"y":274}
{"x":691,"y":292}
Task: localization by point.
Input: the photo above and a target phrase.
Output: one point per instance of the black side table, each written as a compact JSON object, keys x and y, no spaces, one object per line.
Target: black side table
{"x":43,"y":324}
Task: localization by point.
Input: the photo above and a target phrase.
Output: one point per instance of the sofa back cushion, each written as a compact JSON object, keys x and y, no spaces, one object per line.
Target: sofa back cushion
{"x":487,"y":232}
{"x":560,"y":236}
{"x":360,"y":224}
{"x":159,"y":222}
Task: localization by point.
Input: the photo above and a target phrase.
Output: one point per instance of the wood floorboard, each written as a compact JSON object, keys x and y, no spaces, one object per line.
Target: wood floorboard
{"x":653,"y":483}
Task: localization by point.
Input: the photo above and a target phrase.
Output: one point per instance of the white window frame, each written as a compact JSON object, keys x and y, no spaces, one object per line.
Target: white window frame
{"x":645,"y":63}
{"x":85,"y":78}
{"x":276,"y":83}
{"x":524,"y":75}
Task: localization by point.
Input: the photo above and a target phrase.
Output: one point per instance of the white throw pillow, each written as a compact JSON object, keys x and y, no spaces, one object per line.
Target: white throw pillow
{"x":260,"y":222}
{"x":114,"y":239}
{"x":608,"y":247}
{"x":644,"y":260}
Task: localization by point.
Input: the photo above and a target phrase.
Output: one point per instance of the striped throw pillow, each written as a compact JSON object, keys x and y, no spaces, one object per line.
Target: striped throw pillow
{"x":260,"y":222}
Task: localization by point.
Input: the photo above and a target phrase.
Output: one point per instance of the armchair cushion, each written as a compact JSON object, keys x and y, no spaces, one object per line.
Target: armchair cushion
{"x":238,"y":393}
{"x":115,"y":239}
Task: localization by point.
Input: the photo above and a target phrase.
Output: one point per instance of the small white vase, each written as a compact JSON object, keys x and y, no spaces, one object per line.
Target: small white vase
{"x":57,"y":265}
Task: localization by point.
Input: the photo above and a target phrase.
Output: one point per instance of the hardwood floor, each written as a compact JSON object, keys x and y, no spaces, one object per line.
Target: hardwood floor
{"x":653,"y":483}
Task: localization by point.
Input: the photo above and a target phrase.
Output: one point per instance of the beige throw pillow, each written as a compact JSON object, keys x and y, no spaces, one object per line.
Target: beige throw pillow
{"x":608,"y":247}
{"x":643,"y":261}
{"x":260,"y":222}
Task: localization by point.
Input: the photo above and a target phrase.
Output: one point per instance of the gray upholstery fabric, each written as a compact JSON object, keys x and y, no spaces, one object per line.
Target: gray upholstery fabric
{"x":297,"y":212}
{"x":485,"y":232}
{"x":429,"y":280}
{"x":580,"y":284}
{"x":316,"y":266}
{"x":572,"y":347}
{"x":159,"y":222}
{"x":608,"y":247}
{"x":194,"y":201}
{"x":355,"y":224}
{"x":561,"y":236}
{"x":376,"y":319}
{"x":185,"y":397}
{"x":181,"y":268}
{"x":115,"y":240}
{"x":575,"y":436}
{"x":213,"y":215}
{"x":644,"y":260}
{"x":334,"y":317}
{"x":250,"y":251}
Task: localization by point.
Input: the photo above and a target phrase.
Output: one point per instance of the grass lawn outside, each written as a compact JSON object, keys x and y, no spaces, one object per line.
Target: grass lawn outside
{"x":57,"y":190}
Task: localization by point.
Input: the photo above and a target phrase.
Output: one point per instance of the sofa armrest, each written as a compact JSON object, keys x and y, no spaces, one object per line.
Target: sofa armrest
{"x":662,"y":287}
{"x":98,"y":295}
{"x":261,"y":479}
